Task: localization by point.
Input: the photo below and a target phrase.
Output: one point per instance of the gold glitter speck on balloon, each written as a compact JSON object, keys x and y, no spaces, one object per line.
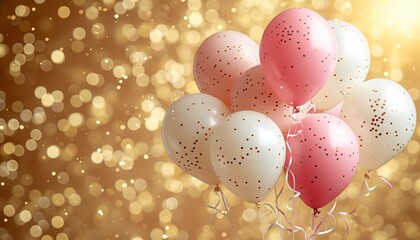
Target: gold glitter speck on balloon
{"x":84,"y":89}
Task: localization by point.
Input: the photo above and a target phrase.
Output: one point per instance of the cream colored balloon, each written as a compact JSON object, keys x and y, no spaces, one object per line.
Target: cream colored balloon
{"x":353,"y":62}
{"x":382,"y":115}
{"x":248,"y":153}
{"x":186,"y":132}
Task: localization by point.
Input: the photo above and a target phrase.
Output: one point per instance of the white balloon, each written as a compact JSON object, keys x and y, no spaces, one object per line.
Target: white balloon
{"x":352,"y":66}
{"x":248,"y":153}
{"x":186,"y":132}
{"x":382,"y":115}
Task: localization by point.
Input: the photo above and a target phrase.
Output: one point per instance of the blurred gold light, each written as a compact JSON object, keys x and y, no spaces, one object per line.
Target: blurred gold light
{"x":398,"y":16}
{"x":79,"y":33}
{"x":47,"y":100}
{"x":25,"y":216}
{"x":35,"y":231}
{"x":98,"y":30}
{"x":63,"y":12}
{"x":9,"y":210}
{"x":53,"y":151}
{"x":57,"y":56}
{"x":57,"y":222}
{"x":36,"y":134}
{"x":22,"y":10}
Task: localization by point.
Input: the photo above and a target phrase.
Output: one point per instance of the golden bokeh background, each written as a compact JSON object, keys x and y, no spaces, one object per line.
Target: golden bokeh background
{"x":83,"y":90}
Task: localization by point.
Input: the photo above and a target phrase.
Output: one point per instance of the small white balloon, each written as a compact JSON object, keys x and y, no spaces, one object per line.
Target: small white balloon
{"x":248,"y":153}
{"x":352,"y":66}
{"x":186,"y":132}
{"x":382,"y":115}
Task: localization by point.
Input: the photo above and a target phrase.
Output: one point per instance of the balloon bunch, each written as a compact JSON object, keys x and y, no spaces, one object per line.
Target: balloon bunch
{"x":252,"y":119}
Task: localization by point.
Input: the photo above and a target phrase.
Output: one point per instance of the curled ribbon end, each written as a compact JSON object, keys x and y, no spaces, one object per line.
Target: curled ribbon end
{"x":385,"y":180}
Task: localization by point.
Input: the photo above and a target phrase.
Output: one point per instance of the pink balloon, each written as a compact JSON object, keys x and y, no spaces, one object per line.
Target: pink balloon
{"x":324,"y":159}
{"x":252,"y":92}
{"x":298,"y":54}
{"x":221,"y":59}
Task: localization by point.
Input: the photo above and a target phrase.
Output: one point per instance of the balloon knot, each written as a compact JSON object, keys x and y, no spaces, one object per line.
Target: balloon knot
{"x":295,"y":110}
{"x":258,"y":205}
{"x":217,"y":189}
{"x":316,"y":211}
{"x":368,"y":175}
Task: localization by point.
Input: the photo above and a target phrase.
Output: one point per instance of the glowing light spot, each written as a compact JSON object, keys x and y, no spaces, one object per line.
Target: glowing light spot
{"x":79,"y":33}
{"x":57,"y":57}
{"x":25,"y":216}
{"x":76,"y":119}
{"x":47,"y":100}
{"x":97,"y":157}
{"x":9,"y":210}
{"x":53,"y":151}
{"x":57,"y":222}
{"x":63,"y":12}
{"x":98,"y":102}
{"x":22,"y":11}
{"x":35,"y":231}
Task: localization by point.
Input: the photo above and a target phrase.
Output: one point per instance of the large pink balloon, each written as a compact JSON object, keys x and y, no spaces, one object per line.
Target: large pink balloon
{"x":221,"y":59}
{"x":324,"y":159}
{"x":298,"y":54}
{"x":252,"y":92}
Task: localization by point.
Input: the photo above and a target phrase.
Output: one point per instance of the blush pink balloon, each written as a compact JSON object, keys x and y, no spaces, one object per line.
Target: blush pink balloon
{"x":252,"y":92}
{"x":221,"y":59}
{"x":324,"y":159}
{"x":298,"y":54}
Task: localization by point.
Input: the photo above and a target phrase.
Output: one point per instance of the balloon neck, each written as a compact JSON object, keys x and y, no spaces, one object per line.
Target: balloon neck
{"x":368,"y":175}
{"x":316,"y":211}
{"x":217,"y":189}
